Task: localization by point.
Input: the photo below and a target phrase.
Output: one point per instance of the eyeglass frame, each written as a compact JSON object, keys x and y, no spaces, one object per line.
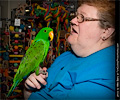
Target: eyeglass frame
{"x":87,"y":18}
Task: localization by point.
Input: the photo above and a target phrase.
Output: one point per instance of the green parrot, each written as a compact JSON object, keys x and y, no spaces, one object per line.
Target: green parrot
{"x":35,"y":55}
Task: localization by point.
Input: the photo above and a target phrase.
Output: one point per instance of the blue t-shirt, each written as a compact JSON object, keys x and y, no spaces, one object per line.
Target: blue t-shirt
{"x":72,"y":77}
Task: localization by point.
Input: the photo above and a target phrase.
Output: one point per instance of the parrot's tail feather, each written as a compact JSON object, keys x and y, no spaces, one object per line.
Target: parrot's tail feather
{"x":12,"y":88}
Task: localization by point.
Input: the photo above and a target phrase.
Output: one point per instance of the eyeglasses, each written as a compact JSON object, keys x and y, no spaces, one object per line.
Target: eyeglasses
{"x":81,"y":18}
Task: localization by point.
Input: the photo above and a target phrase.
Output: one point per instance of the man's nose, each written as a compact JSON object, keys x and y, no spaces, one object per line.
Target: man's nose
{"x":74,"y":21}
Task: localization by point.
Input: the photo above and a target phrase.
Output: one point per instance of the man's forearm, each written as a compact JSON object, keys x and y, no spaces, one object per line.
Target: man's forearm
{"x":27,"y":93}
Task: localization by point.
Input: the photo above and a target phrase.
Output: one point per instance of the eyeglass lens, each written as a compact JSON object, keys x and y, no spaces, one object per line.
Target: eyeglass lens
{"x":80,"y":18}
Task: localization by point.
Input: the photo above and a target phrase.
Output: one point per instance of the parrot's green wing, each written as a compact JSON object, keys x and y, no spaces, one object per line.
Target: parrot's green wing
{"x":35,"y":54}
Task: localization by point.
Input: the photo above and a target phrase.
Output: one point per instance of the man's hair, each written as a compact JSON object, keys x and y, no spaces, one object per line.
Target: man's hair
{"x":106,"y":11}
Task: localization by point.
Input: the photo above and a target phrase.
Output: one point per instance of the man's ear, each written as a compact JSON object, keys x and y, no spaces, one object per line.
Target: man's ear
{"x":108,"y":32}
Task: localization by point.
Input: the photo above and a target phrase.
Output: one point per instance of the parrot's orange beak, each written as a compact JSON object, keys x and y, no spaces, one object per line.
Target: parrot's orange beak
{"x":51,"y":35}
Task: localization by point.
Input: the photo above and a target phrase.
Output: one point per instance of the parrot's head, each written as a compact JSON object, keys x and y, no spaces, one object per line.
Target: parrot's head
{"x":45,"y":33}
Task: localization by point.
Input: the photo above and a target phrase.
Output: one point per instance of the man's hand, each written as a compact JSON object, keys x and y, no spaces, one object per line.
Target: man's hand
{"x":34,"y":81}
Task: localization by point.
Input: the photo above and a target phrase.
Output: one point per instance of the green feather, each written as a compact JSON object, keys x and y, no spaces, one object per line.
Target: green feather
{"x":35,"y":54}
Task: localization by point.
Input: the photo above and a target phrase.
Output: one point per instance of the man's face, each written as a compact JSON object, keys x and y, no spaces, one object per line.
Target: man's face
{"x":87,"y":33}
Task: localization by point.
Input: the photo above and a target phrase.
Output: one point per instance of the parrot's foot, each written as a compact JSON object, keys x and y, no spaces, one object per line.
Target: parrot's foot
{"x":42,"y":72}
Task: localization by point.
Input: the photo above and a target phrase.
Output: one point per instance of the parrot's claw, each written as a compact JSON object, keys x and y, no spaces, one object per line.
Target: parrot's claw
{"x":42,"y":72}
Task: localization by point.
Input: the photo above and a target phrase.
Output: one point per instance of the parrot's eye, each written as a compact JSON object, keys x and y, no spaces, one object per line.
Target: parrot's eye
{"x":45,"y":30}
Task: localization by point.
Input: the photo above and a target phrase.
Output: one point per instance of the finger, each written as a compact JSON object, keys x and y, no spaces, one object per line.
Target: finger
{"x":29,"y":83}
{"x":35,"y":82}
{"x":41,"y":80}
{"x":45,"y":69}
{"x":47,"y":75}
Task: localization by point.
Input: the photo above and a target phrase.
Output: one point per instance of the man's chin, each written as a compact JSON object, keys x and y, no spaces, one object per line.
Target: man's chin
{"x":70,"y":40}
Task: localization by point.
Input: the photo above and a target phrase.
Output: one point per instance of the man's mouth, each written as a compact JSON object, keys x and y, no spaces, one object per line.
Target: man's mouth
{"x":74,"y":31}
